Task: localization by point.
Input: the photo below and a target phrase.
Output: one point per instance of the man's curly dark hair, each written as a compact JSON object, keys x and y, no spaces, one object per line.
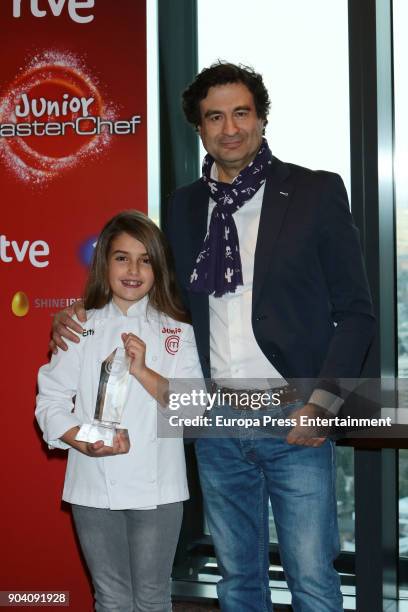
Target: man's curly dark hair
{"x":222,"y":73}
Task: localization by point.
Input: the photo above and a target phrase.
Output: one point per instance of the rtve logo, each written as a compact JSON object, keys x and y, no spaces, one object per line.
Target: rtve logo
{"x":37,"y":252}
{"x":56,"y":7}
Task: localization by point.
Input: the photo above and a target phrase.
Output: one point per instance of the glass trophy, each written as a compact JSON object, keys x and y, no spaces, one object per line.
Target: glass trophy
{"x":110,"y":400}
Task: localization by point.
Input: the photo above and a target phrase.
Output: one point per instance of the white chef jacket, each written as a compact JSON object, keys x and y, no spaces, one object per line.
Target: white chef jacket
{"x":153,"y":472}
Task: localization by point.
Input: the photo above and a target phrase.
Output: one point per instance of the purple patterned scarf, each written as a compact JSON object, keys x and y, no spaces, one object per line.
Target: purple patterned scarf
{"x":218,"y":268}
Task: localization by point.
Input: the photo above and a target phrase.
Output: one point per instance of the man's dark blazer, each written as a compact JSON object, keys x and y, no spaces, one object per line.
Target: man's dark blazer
{"x":311,"y":308}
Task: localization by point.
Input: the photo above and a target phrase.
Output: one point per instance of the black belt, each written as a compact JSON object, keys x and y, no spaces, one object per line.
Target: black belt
{"x":245,"y":399}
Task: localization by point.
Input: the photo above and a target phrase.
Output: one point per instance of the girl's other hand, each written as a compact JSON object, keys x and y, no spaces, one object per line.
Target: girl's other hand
{"x":136,"y":351}
{"x":121,"y":446}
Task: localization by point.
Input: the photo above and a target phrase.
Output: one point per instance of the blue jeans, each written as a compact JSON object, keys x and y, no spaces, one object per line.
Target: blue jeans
{"x":238,"y":474}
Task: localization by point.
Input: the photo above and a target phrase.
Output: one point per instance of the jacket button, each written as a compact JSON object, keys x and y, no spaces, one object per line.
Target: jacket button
{"x":261,"y":317}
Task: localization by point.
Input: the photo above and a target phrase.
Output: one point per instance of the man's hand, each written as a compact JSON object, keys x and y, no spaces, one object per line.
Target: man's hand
{"x":64,"y":326}
{"x":306,"y":435}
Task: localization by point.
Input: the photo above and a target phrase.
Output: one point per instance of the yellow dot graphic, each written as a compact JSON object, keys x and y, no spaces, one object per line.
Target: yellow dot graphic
{"x":20,"y":304}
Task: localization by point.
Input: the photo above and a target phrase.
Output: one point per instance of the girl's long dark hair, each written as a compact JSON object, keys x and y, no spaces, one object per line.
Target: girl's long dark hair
{"x":164,"y":295}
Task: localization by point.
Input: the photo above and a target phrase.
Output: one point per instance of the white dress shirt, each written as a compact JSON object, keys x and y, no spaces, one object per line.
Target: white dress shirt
{"x":153,"y":472}
{"x":234,"y":352}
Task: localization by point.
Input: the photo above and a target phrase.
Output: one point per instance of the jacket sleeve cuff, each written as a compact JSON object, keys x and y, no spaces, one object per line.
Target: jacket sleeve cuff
{"x":52,"y":444}
{"x":326,"y":400}
{"x":60,"y":425}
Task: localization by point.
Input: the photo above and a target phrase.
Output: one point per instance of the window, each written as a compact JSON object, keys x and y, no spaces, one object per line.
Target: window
{"x":400,"y":25}
{"x":301,"y":50}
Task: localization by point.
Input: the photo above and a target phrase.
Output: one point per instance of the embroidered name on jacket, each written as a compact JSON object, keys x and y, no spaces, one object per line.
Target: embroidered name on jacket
{"x":88,"y":332}
{"x":168,"y":330}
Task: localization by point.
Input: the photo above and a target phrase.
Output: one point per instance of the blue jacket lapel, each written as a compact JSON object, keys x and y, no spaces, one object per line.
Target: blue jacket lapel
{"x":199,"y":302}
{"x":276,"y":199}
{"x":198,"y":210}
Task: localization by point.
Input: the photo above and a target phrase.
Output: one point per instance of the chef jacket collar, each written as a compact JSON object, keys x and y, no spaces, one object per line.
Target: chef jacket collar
{"x":136,"y":310}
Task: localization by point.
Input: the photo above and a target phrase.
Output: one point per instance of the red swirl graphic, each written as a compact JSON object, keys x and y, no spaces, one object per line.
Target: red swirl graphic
{"x":62,"y":80}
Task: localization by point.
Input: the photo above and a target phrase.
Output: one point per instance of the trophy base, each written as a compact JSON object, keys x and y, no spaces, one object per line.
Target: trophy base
{"x":89,"y":432}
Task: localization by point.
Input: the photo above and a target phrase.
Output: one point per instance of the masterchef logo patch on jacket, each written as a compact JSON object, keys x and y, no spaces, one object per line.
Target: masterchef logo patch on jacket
{"x":171,"y":337}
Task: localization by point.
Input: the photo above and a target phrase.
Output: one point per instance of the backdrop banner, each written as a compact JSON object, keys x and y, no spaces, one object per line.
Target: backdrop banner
{"x":73,"y":153}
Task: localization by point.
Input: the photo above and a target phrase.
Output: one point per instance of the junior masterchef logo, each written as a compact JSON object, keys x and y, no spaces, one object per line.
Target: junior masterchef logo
{"x":172,"y":340}
{"x":53,"y":117}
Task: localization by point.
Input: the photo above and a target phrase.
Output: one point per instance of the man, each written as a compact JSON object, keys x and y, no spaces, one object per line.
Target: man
{"x":269,"y":263}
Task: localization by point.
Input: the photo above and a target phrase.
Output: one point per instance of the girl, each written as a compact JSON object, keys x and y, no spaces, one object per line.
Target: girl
{"x":126,"y":498}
